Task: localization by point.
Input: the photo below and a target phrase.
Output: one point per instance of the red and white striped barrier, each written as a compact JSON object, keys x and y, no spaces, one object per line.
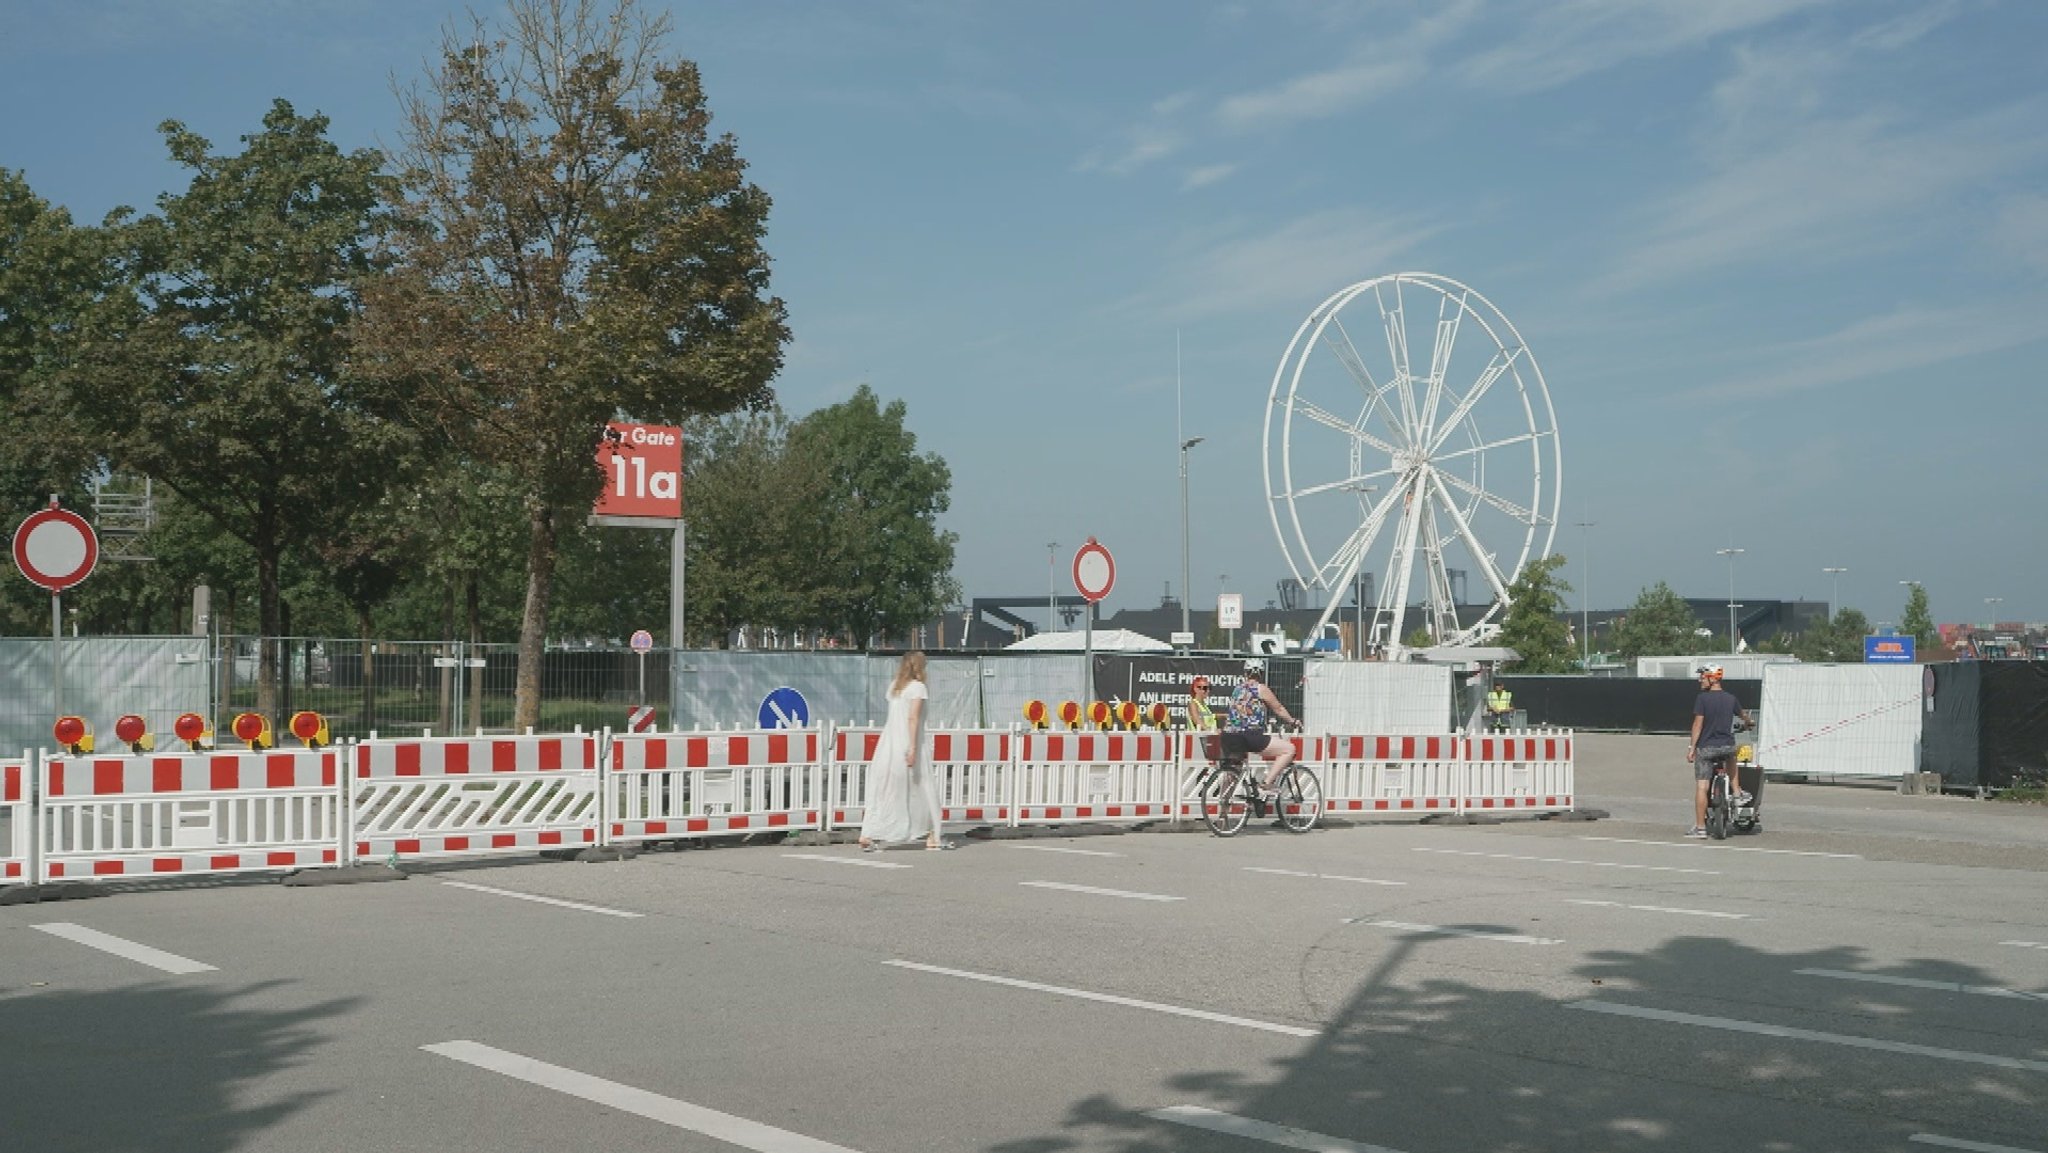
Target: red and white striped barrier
{"x":1386,"y":774}
{"x":973,"y":768}
{"x":1525,"y":772}
{"x":1071,"y":778}
{"x":846,"y":776}
{"x":17,"y":825}
{"x":134,"y":816}
{"x":458,"y":797}
{"x":713,"y":784}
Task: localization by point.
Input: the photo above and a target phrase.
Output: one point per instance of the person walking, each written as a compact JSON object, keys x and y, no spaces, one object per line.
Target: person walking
{"x":903,"y":799}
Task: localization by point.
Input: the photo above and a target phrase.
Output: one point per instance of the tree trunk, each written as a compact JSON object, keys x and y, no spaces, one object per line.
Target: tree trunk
{"x":533,"y":623}
{"x":445,"y":715}
{"x":363,"y":627}
{"x":473,"y":596}
{"x":268,"y":599}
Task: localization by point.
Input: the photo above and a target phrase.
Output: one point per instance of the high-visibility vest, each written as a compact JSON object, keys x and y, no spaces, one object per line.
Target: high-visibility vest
{"x":1500,"y":700}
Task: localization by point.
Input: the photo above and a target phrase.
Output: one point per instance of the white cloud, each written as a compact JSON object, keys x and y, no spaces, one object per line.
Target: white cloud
{"x":1318,"y":94}
{"x":1206,"y":175}
{"x":1908,"y":27}
{"x":2022,"y":229}
{"x":1568,"y":39}
{"x":1234,"y":271}
{"x":1145,"y":146}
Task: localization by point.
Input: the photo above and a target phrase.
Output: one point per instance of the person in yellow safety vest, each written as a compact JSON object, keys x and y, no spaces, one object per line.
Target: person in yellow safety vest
{"x":1200,"y":719}
{"x":1500,"y":705}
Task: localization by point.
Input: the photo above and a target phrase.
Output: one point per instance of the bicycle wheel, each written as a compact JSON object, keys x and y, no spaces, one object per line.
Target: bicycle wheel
{"x":1301,"y":800}
{"x":1224,"y":808}
{"x":1720,"y":808}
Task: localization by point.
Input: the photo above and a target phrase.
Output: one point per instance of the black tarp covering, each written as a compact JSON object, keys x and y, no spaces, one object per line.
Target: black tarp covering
{"x":1626,"y":704}
{"x":1987,"y":723}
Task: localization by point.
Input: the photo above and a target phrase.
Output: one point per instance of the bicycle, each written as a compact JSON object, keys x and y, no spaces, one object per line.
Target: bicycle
{"x":1725,"y":814}
{"x":1230,"y":792}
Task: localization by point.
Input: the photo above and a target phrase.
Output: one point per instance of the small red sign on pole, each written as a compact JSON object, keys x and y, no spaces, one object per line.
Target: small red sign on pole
{"x":1094,"y":571}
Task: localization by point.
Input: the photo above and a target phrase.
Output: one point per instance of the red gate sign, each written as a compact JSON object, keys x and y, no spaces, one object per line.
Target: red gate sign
{"x":55,"y":548}
{"x":643,"y":471}
{"x":1094,"y":571}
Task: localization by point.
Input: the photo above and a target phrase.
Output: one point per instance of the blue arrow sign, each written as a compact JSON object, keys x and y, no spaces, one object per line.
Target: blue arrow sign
{"x":785,"y":708}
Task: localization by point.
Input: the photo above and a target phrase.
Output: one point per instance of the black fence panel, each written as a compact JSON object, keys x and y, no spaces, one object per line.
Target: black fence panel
{"x":1621,"y":704}
{"x":1986,"y":724}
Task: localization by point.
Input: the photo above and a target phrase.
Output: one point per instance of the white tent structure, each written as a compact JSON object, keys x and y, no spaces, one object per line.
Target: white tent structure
{"x":1106,"y":641}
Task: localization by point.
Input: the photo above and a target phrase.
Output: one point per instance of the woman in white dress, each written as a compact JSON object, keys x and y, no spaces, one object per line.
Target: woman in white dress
{"x":903,"y":799}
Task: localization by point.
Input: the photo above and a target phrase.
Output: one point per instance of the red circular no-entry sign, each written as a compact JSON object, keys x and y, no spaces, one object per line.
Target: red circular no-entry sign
{"x":1094,"y":571}
{"x":55,"y":548}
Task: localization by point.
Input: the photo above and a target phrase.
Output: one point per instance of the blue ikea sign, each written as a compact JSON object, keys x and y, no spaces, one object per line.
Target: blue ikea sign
{"x":1888,"y":650}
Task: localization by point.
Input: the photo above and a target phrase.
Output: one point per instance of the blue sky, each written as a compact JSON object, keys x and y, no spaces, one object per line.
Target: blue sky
{"x":1784,"y":265}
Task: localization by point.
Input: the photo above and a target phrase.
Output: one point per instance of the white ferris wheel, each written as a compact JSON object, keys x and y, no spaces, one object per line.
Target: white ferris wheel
{"x":1376,"y":464}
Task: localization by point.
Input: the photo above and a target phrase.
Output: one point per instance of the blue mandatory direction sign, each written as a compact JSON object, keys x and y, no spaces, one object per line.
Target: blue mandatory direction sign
{"x":1888,"y":650}
{"x":785,"y":708}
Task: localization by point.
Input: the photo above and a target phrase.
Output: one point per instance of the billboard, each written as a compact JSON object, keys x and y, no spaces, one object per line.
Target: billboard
{"x":643,"y":472}
{"x":1887,"y":650}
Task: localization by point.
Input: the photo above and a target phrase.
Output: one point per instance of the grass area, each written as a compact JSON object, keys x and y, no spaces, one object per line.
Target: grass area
{"x":404,"y":710}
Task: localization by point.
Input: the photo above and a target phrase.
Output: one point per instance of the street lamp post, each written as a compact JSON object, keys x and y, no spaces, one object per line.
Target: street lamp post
{"x":1585,"y":598}
{"x":1731,"y":553}
{"x":1991,"y":610}
{"x":1835,"y":597}
{"x":1184,"y":447}
{"x":1052,"y":595}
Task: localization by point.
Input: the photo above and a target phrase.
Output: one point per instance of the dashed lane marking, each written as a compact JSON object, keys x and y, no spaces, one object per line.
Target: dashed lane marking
{"x":1724,"y":848}
{"x":1568,"y":861}
{"x":1112,"y":999}
{"x":577,"y":905}
{"x":1923,"y":983}
{"x":1959,"y":1143}
{"x":1129,"y":896}
{"x":1321,"y":876}
{"x":639,"y":1102}
{"x":1449,"y":931}
{"x":122,"y":947}
{"x":1061,"y":849}
{"x":1662,"y":909}
{"x":1791,"y":1034}
{"x":847,"y":861}
{"x":1197,"y":1117}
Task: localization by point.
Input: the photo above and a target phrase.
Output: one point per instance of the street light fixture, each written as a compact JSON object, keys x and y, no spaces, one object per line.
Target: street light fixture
{"x":1184,"y":447}
{"x":1835,"y":597}
{"x":1991,"y":610}
{"x":1585,"y":598}
{"x":1052,"y":611}
{"x":1731,"y":553}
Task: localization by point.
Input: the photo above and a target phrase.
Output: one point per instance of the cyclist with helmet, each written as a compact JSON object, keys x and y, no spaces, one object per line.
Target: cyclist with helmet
{"x":1245,"y":722}
{"x":1714,"y":715}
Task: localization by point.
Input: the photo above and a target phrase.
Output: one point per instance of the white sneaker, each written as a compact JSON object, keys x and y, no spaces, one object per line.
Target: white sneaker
{"x":1744,"y":799}
{"x":1696,"y":831}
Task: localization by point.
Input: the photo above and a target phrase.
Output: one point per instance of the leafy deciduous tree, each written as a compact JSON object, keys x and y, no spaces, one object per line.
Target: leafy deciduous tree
{"x":1535,"y":626}
{"x":1659,"y":623}
{"x":1916,"y":621}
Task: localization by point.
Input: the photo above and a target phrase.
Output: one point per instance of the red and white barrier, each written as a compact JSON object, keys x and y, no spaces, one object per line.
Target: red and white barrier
{"x":134,"y":816}
{"x":973,"y":770}
{"x":1524,"y":772}
{"x":17,"y":824}
{"x":1389,"y":774}
{"x":465,"y":797}
{"x":713,"y":784}
{"x":846,"y":776}
{"x":1071,"y":778}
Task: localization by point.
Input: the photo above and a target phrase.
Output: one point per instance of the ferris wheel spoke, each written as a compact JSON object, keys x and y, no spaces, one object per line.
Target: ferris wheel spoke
{"x":1320,"y":415}
{"x":1396,"y":324}
{"x":1349,"y":482}
{"x":1440,"y":359}
{"x":1483,"y":447}
{"x":1501,"y":362}
{"x":1522,"y":515}
{"x":1375,"y":393}
{"x":1345,"y":561}
{"x":1480,"y":555}
{"x":1441,"y":599}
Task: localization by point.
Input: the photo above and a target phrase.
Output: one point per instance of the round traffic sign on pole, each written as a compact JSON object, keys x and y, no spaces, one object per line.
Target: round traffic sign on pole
{"x":55,"y":548}
{"x":641,"y":641}
{"x":1094,"y":571}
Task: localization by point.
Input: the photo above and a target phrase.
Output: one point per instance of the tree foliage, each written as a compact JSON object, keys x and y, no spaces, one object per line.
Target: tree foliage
{"x":578,"y":247}
{"x":1837,"y":641}
{"x":1915,"y":620}
{"x":1535,"y":627}
{"x":1659,"y":623}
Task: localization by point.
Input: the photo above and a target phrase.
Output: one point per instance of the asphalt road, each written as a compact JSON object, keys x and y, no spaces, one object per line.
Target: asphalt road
{"x":1871,"y":973}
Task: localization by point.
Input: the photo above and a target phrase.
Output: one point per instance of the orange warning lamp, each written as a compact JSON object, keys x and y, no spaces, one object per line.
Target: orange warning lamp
{"x":191,"y":728}
{"x":1157,"y":714}
{"x":1070,"y":714}
{"x":252,"y":729}
{"x":311,"y":729}
{"x":133,"y":731}
{"x":1098,"y":713}
{"x":1127,"y":714}
{"x":1037,"y":713}
{"x":73,"y":735}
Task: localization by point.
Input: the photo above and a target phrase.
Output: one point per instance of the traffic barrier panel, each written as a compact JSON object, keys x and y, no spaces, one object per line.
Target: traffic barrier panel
{"x":975,"y":773}
{"x":714,"y":784}
{"x":846,"y":775}
{"x":17,"y":823}
{"x":1524,"y":772}
{"x":457,"y":797}
{"x":223,"y":812}
{"x":1070,"y":778}
{"x":1389,"y":774}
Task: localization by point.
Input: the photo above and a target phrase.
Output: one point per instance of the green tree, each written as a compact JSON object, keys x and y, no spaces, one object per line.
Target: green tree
{"x":883,"y":562}
{"x":1659,"y":623}
{"x":578,"y":247}
{"x":1915,"y":621}
{"x":754,"y":510}
{"x":1535,"y":627}
{"x":1837,"y":641}
{"x":221,"y":372}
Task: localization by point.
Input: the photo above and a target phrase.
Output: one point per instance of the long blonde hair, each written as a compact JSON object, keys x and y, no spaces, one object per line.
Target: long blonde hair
{"x":910,"y":668}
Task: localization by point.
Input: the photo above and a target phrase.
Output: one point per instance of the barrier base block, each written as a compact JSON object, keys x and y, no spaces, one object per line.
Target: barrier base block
{"x":598,"y":853}
{"x":1462,"y":819}
{"x":1577,"y":815}
{"x":1025,"y":832}
{"x":345,"y":875}
{"x":36,"y":894}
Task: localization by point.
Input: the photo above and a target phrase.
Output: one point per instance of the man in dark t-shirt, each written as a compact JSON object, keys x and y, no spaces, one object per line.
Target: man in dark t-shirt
{"x":1714,"y":715}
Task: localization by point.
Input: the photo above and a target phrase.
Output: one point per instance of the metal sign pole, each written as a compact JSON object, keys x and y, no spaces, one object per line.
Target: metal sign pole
{"x":57,"y":653}
{"x":1087,"y":656}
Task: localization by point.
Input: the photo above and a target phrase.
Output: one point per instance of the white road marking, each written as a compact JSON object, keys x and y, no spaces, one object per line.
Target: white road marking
{"x":122,"y":947}
{"x":1111,"y":999}
{"x":639,"y":1102}
{"x":1099,"y":892}
{"x":1321,"y":876}
{"x":1568,"y":861}
{"x":1959,"y":1143}
{"x":847,"y":861}
{"x":542,"y":900}
{"x":1923,"y":983}
{"x":1476,"y":934}
{"x":1197,"y":1117}
{"x":1724,"y":848}
{"x":1662,"y":909}
{"x":1061,"y":849}
{"x":2027,"y":944}
{"x":1792,"y":1034}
